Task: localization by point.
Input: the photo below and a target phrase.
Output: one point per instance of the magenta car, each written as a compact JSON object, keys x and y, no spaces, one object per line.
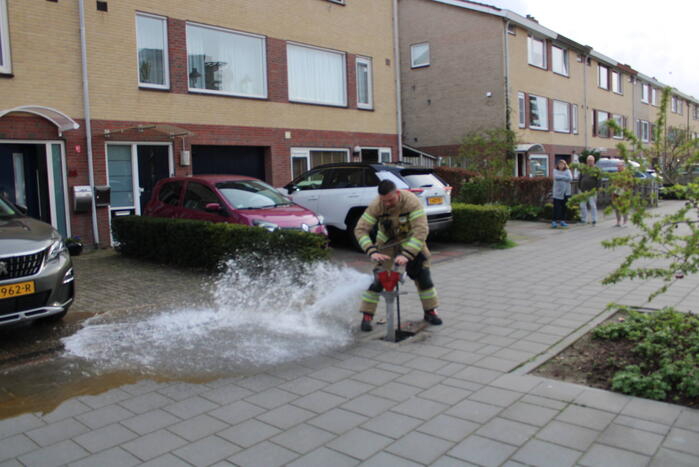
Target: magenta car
{"x":230,"y":198}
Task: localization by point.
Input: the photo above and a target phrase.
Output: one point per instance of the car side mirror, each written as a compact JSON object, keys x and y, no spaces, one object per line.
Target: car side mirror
{"x":291,"y":188}
{"x":213,"y":207}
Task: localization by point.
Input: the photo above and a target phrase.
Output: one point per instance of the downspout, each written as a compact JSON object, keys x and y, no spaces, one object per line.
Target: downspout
{"x":587,"y":127}
{"x":88,"y":121}
{"x":506,"y":68}
{"x":396,"y":61}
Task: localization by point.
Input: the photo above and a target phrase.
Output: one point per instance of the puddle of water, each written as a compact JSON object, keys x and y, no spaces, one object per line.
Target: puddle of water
{"x":258,"y":317}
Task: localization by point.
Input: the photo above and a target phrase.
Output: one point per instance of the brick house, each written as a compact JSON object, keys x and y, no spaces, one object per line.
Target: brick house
{"x":467,"y":66}
{"x":255,"y":87}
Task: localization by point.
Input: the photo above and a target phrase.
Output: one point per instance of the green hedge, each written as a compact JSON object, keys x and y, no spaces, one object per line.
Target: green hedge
{"x":478,"y":223}
{"x":208,"y":245}
{"x":532,"y":191}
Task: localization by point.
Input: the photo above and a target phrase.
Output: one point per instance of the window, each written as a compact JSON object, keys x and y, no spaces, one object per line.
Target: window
{"x":170,"y":193}
{"x":522,"y":110}
{"x":419,"y":55}
{"x":511,"y":29}
{"x":560,"y":60}
{"x":574,"y":119}
{"x":316,"y":76}
{"x":364,"y":83}
{"x":645,"y":131}
{"x":654,"y":96}
{"x":645,"y":91}
{"x":197,"y":196}
{"x":680,"y":106}
{"x":561,"y":117}
{"x":5,"y":63}
{"x":602,"y":128}
{"x":339,"y":2}
{"x":696,"y":111}
{"x":538,"y":165}
{"x":226,"y":62}
{"x":303,"y":159}
{"x":538,"y":113}
{"x":603,"y":76}
{"x":616,"y":82}
{"x":151,"y":37}
{"x":537,"y":52}
{"x":618,"y":134}
{"x":674,"y":104}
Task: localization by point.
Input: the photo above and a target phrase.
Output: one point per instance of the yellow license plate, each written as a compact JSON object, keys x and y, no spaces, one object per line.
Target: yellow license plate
{"x":14,"y":290}
{"x":435,"y":200}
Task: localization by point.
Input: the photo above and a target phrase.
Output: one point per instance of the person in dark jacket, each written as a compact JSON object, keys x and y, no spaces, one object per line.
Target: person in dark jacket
{"x":589,"y":181}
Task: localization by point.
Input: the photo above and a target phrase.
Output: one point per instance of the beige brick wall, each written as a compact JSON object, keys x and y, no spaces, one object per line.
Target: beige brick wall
{"x":46,"y":60}
{"x":608,"y":101}
{"x":443,"y":101}
{"x":545,"y":83}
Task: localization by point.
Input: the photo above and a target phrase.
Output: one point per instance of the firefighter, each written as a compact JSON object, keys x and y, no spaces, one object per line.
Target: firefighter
{"x":400,"y":239}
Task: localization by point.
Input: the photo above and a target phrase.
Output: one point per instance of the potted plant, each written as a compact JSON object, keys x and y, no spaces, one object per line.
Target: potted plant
{"x":74,"y":245}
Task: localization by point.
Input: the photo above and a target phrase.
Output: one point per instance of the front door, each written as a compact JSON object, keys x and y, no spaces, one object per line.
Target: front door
{"x":153,"y":165}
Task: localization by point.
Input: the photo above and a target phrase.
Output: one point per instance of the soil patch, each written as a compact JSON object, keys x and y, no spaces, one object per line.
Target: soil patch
{"x":593,"y":362}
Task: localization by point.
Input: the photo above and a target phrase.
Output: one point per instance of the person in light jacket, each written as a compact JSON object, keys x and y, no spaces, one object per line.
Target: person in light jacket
{"x":589,"y":181}
{"x":561,"y":192}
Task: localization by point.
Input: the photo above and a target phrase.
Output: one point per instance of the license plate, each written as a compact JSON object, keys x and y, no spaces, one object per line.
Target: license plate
{"x":14,"y":290}
{"x":435,"y":200}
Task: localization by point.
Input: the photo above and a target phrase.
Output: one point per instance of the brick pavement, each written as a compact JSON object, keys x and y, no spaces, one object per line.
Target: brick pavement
{"x":459,"y":396}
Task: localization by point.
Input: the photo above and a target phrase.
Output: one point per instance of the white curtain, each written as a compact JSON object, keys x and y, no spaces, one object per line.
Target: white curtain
{"x":561,"y":118}
{"x":316,"y":76}
{"x":151,"y":50}
{"x":225,"y":61}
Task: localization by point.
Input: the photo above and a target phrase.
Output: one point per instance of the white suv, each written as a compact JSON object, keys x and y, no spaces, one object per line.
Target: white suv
{"x":341,"y":192}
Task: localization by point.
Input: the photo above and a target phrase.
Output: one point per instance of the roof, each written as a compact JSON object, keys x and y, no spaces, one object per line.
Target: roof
{"x":533,"y":26}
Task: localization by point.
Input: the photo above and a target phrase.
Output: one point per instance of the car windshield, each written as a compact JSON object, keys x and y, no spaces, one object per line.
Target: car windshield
{"x":7,"y":210}
{"x":251,"y":194}
{"x":422,"y":180}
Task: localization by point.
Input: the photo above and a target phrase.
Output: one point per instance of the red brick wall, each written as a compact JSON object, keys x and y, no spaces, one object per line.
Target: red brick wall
{"x":277,"y":161}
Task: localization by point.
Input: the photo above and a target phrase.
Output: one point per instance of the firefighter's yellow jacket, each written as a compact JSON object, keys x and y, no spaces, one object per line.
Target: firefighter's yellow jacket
{"x":404,"y":224}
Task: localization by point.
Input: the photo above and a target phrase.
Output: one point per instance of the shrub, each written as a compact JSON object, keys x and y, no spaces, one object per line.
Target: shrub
{"x":207,"y":245}
{"x":666,"y":343}
{"x":455,"y":177}
{"x":532,"y":191}
{"x":525,"y":212}
{"x":474,"y":223}
{"x":572,"y":213}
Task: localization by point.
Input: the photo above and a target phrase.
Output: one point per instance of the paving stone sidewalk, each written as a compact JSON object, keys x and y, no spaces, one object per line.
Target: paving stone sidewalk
{"x":459,"y":396}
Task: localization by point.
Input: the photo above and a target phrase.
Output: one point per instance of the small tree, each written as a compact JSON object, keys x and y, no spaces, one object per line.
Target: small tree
{"x":488,"y":152}
{"x":666,"y":247}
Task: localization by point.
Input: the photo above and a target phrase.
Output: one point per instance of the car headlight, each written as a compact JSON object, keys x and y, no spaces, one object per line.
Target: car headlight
{"x":265,"y":225}
{"x":56,"y":248}
{"x":321,"y":219}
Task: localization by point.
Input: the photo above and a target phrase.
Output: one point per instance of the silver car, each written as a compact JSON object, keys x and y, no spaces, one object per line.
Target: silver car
{"x":36,"y":273}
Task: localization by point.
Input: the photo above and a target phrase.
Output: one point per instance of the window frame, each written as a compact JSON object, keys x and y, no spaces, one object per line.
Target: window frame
{"x":567,"y":106}
{"x":265,"y":84}
{"x":673,"y":104}
{"x":545,"y":127}
{"x":530,"y":40}
{"x":542,"y":157}
{"x":370,"y":82}
{"x":412,"y":55}
{"x":601,"y":67}
{"x":305,"y":153}
{"x":166,"y":57}
{"x":5,"y":49}
{"x":600,"y":124}
{"x":566,"y":62}
{"x":343,"y":56}
{"x":619,"y":119}
{"x":619,"y":76}
{"x":574,"y":118}
{"x":645,"y":93}
{"x":654,"y":96}
{"x":645,"y":131}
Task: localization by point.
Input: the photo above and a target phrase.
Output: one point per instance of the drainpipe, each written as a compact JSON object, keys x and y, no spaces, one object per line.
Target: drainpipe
{"x":587,"y":127}
{"x":396,"y":61}
{"x":88,"y":122}
{"x":508,"y":111}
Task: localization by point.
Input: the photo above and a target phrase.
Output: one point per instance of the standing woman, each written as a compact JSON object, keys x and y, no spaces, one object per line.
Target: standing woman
{"x":561,"y":192}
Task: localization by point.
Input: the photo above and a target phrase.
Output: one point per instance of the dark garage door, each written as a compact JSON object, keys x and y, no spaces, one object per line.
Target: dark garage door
{"x":238,"y":160}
